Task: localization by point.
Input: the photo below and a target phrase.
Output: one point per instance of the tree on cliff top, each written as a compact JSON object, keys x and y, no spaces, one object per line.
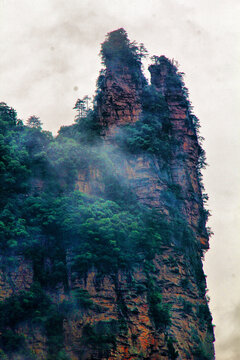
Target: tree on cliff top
{"x":34,"y":122}
{"x":117,"y":46}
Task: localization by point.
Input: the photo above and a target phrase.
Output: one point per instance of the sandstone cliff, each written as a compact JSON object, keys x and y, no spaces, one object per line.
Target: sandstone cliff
{"x":157,"y":308}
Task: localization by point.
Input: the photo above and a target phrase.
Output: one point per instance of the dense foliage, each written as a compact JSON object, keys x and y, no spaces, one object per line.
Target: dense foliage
{"x":48,"y":218}
{"x":101,"y":337}
{"x":118,"y":47}
{"x":151,"y":133}
{"x":117,"y":52}
{"x":159,"y":312}
{"x":36,"y":306}
{"x":44,"y":217}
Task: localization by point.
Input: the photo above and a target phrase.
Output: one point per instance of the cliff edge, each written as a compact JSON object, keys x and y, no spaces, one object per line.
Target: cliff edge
{"x":105,"y":225}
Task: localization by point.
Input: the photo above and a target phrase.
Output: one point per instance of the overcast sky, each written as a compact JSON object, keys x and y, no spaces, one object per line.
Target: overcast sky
{"x":49,"y":57}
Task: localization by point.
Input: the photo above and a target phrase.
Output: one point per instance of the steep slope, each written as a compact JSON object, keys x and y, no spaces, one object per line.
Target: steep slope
{"x":113,"y":271}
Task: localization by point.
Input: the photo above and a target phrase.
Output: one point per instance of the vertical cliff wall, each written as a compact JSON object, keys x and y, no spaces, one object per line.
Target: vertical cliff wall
{"x":171,"y":185}
{"x":187,"y":153}
{"x":145,"y":299}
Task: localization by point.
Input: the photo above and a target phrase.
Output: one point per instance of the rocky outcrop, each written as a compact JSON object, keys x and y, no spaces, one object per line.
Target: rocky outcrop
{"x":115,"y":317}
{"x":186,"y":153}
{"x":179,"y":277}
{"x":119,"y":101}
{"x":15,"y":276}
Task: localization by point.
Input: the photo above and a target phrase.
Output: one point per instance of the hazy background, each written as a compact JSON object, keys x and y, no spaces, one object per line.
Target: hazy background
{"x":49,"y":57}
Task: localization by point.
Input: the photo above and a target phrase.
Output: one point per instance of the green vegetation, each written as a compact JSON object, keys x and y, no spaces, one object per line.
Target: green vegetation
{"x":65,"y":233}
{"x":83,"y":298}
{"x":43,"y":217}
{"x":173,"y":354}
{"x":117,"y":52}
{"x":186,"y":306}
{"x":36,"y":306}
{"x":117,"y":46}
{"x":101,"y":336}
{"x":150,"y":134}
{"x":204,"y":316}
{"x":99,"y":232}
{"x":202,"y":351}
{"x":158,"y":311}
{"x":10,"y":341}
{"x":34,"y":122}
{"x":174,"y":79}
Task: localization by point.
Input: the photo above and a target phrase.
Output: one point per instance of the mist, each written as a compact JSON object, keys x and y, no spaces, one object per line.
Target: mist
{"x":49,"y":58}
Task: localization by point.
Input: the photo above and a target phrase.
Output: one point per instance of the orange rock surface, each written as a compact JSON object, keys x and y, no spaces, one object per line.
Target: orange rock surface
{"x":173,"y":273}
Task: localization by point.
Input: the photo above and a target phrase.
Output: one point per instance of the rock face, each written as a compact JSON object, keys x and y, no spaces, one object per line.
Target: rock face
{"x":179,"y":276}
{"x":120,"y":101}
{"x":122,"y":307}
{"x":17,"y":277}
{"x":185,"y":160}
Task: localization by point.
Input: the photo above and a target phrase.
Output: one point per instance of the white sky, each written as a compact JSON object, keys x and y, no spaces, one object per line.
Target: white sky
{"x":49,"y":57}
